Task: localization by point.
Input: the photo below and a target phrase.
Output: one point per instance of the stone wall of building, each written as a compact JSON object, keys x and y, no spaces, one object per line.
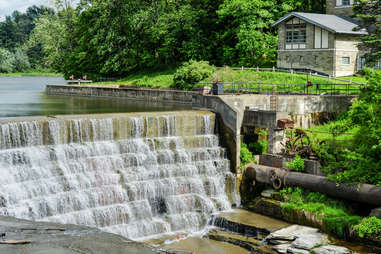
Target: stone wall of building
{"x":338,"y":10}
{"x":319,"y":60}
{"x":346,"y":46}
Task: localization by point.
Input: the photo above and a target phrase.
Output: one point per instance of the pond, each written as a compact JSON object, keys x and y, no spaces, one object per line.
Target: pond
{"x":24,"y":96}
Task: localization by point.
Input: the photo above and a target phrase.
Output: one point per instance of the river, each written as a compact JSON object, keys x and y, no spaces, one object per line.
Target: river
{"x":24,"y":96}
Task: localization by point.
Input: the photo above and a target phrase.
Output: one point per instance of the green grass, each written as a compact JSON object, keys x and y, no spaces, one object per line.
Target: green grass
{"x":333,"y":212}
{"x":326,"y":132}
{"x":361,"y":80}
{"x":164,"y":79}
{"x":155,"y":79}
{"x":32,"y":74}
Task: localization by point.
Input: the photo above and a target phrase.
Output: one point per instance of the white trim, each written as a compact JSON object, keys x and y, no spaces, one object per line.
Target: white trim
{"x":343,"y":7}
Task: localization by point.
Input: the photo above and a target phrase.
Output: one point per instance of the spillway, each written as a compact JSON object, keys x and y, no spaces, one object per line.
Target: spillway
{"x":137,"y":175}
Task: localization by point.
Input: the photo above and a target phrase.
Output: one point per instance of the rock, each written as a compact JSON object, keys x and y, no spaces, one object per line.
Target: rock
{"x":267,"y":193}
{"x":376,"y":212}
{"x":297,"y":251}
{"x":331,"y":249}
{"x":292,"y":232}
{"x":277,"y":242}
{"x":308,"y":242}
{"x":282,"y":248}
{"x":15,"y":242}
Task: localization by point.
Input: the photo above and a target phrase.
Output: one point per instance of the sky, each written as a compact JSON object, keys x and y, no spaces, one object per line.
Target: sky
{"x":8,"y":6}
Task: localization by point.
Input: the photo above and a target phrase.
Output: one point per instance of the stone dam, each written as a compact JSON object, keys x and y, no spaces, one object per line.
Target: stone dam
{"x":136,"y":175}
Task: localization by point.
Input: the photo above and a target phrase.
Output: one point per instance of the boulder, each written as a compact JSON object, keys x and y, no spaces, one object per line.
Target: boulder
{"x":308,"y":241}
{"x":297,"y":251}
{"x":331,"y":249}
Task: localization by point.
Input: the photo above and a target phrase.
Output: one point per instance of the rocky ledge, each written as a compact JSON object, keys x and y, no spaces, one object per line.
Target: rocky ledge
{"x":29,"y":237}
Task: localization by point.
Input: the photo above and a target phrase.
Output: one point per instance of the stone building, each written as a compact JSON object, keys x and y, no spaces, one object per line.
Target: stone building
{"x":325,"y":43}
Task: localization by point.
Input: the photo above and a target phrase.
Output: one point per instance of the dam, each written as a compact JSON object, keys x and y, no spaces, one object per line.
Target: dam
{"x":136,"y":175}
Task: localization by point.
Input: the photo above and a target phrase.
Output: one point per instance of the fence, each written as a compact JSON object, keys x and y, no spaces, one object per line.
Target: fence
{"x":288,"y":88}
{"x":294,"y":71}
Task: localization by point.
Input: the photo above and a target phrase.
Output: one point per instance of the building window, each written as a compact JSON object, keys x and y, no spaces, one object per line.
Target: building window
{"x":345,"y":60}
{"x":344,"y":3}
{"x":321,"y":38}
{"x":296,"y":35}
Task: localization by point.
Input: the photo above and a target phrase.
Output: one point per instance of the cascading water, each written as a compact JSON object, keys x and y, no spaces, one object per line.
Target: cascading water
{"x":137,"y":176}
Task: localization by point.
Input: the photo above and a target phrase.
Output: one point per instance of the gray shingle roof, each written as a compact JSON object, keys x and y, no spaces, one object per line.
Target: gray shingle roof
{"x":331,"y":23}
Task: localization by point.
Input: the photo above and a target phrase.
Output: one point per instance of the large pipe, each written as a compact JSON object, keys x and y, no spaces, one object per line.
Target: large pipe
{"x":364,"y":193}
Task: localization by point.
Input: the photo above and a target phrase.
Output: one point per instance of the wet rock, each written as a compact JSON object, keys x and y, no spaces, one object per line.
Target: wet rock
{"x":376,"y":212}
{"x":297,"y":251}
{"x":282,"y":248}
{"x":277,"y":242}
{"x":331,"y":249}
{"x":308,"y":242}
{"x":292,"y":232}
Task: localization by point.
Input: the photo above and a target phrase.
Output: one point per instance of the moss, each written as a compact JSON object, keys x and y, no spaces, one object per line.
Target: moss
{"x":369,"y":227}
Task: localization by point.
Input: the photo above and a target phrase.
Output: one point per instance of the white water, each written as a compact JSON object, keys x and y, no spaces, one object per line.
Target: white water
{"x":77,"y":172}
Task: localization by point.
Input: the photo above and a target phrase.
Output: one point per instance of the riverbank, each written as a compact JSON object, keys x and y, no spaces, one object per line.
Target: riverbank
{"x":31,"y":74}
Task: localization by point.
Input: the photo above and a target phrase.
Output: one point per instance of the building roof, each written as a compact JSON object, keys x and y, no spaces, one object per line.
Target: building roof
{"x":332,"y":23}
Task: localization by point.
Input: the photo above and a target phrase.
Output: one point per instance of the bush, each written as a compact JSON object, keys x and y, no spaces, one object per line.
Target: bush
{"x":246,"y":156}
{"x":297,"y":164}
{"x":192,"y":72}
{"x":7,"y":61}
{"x":369,"y":226}
{"x":258,"y":147}
{"x":21,"y":61}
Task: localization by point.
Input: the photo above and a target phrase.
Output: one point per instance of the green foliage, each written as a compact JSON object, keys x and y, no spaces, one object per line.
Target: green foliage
{"x":258,"y":147}
{"x":334,"y":213}
{"x":246,"y":156}
{"x":7,"y":61}
{"x":191,"y":73}
{"x":296,"y":165}
{"x":368,"y":11}
{"x":369,"y":226}
{"x":350,"y":148}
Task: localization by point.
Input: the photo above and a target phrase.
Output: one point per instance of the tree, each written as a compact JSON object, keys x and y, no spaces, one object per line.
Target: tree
{"x":7,"y":61}
{"x":369,"y":14}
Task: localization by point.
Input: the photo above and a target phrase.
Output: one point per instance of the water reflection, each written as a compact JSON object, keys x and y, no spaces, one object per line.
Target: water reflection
{"x":24,"y":96}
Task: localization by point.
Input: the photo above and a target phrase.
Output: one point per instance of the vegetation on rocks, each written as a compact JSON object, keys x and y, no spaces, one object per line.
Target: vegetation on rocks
{"x":246,"y":156}
{"x":332,"y":212}
{"x":369,"y":227}
{"x":297,"y":164}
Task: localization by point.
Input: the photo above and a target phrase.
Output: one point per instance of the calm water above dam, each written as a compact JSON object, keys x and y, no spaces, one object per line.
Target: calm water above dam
{"x":24,"y":96}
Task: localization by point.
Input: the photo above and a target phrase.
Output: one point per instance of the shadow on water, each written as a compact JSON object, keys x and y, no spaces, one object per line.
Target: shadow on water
{"x":24,"y":96}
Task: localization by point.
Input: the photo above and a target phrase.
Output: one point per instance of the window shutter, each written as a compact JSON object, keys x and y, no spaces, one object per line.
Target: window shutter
{"x":339,"y":3}
{"x":351,"y":2}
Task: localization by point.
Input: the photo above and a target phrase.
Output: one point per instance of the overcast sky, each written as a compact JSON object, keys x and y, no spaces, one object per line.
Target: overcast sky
{"x":8,"y":6}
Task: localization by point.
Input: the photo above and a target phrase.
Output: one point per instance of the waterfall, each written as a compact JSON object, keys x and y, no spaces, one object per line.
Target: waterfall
{"x":139,"y":176}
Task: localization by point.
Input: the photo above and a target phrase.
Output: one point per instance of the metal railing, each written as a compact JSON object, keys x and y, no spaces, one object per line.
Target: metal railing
{"x":288,"y":88}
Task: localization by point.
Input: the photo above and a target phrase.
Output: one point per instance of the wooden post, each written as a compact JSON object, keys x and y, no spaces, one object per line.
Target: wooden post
{"x":242,"y":68}
{"x":292,"y":71}
{"x":273,"y":68}
{"x":257,"y":68}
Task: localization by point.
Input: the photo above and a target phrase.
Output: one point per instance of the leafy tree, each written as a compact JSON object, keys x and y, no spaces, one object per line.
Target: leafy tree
{"x":369,"y":13}
{"x":7,"y":61}
{"x":21,"y":61}
{"x":247,"y":38}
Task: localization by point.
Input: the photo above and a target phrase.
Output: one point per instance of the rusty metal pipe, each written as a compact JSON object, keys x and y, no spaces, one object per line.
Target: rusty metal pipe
{"x":366,"y":193}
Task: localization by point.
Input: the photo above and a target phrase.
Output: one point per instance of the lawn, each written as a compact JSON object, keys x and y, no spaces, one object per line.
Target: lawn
{"x":164,"y":79}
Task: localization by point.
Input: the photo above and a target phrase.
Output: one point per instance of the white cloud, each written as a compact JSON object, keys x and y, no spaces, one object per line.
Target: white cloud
{"x":9,"y":6}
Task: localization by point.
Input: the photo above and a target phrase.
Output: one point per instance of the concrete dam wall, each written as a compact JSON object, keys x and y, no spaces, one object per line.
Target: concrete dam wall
{"x":137,"y":175}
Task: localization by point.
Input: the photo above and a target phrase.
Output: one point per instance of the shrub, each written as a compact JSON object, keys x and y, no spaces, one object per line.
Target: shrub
{"x":7,"y":61}
{"x":192,"y":72}
{"x":297,"y":164}
{"x":258,"y":147}
{"x":369,"y":226}
{"x":21,"y":61}
{"x":246,"y":156}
